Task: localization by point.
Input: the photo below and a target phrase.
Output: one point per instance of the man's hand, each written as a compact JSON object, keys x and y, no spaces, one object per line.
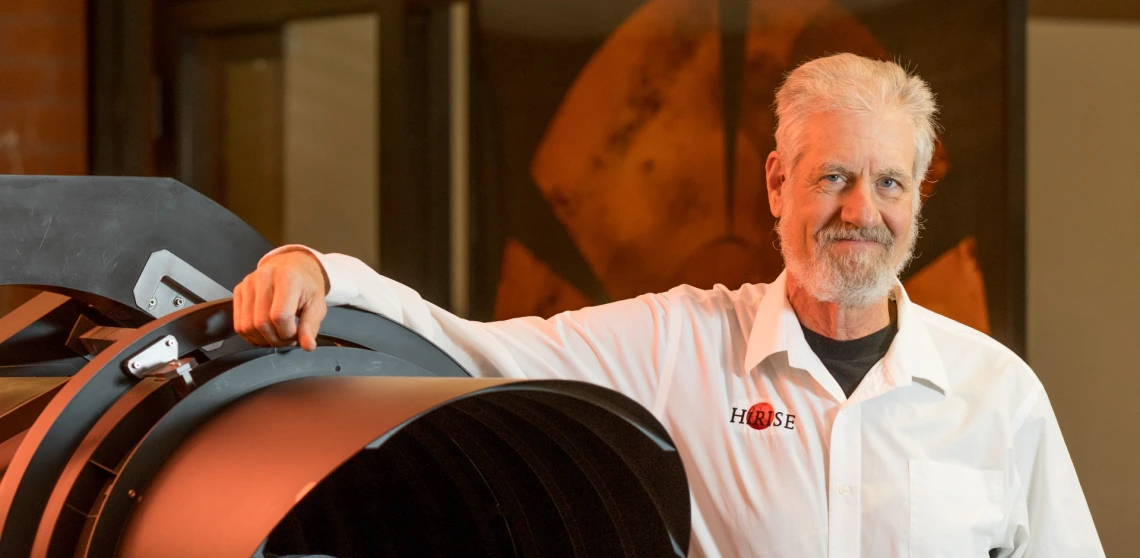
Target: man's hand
{"x":269,"y":301}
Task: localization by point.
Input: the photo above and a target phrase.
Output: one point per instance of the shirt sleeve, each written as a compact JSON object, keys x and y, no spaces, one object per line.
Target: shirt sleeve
{"x":1054,"y":518}
{"x":621,"y":345}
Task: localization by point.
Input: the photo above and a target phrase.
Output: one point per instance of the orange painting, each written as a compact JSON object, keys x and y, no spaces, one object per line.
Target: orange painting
{"x":634,"y":162}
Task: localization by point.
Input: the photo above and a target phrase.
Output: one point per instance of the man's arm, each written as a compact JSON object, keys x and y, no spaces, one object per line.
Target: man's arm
{"x":621,"y":345}
{"x":1054,"y":520}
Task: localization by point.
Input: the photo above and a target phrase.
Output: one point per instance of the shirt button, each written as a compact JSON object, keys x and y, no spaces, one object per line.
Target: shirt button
{"x":845,"y":411}
{"x":844,"y":489}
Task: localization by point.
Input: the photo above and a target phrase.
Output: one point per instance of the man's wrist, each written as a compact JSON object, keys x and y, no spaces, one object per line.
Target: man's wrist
{"x":308,"y":253}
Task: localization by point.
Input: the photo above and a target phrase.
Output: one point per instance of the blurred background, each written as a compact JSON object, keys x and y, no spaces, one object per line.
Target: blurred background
{"x":516,"y":157}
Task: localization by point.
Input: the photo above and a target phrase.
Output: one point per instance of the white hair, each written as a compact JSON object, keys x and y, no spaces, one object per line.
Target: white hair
{"x":853,"y":84}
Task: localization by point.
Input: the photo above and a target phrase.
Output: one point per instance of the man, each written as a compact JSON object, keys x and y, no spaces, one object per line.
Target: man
{"x":821,"y":415}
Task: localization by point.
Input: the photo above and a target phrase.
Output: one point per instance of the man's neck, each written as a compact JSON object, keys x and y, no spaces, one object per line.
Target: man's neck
{"x":841,"y":323}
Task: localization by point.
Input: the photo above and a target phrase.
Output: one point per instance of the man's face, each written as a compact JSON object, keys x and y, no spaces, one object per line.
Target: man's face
{"x":847,"y":210}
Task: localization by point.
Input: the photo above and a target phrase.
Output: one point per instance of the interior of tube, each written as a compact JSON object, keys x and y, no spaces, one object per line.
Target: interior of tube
{"x":496,"y":475}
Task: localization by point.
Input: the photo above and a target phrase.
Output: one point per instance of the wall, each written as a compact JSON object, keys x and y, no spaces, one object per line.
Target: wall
{"x":43,"y":93}
{"x":331,"y":201}
{"x":1083,"y":253}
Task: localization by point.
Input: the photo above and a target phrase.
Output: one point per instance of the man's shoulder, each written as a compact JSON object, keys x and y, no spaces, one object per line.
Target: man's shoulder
{"x":947,"y":330}
{"x":731,"y":307}
{"x":967,"y":352}
{"x":748,"y":293}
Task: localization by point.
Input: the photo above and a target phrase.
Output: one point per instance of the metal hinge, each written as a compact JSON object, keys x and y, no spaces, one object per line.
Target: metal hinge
{"x":160,"y":359}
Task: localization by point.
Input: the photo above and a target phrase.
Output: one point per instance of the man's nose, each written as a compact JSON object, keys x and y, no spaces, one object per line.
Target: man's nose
{"x":859,"y":207}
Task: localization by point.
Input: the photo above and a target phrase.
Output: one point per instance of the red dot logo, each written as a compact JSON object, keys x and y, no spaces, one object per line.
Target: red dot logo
{"x":760,"y":415}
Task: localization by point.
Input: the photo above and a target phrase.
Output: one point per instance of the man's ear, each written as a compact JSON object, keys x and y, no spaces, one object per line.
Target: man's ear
{"x":775,"y":175}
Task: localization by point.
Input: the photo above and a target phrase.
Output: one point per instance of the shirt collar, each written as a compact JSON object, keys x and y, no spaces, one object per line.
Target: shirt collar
{"x":776,"y":328}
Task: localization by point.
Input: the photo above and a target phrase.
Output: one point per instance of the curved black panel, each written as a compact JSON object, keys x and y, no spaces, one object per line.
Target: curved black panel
{"x":89,"y":236}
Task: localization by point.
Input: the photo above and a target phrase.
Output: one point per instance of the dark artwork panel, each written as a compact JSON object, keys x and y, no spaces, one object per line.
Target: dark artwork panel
{"x":620,"y":146}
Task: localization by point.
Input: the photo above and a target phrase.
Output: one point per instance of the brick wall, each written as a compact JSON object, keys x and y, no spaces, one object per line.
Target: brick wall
{"x":43,"y":93}
{"x":43,"y":86}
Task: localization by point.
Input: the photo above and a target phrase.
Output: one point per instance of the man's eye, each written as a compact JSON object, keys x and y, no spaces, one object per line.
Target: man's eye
{"x":889,"y":183}
{"x":833,"y":178}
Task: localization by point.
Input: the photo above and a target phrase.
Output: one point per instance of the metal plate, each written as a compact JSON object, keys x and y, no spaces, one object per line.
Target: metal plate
{"x":168,"y":284}
{"x":159,"y":353}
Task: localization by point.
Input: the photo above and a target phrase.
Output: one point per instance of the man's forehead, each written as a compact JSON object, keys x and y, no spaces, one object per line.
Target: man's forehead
{"x":875,"y":165}
{"x":882,"y":130}
{"x":880,"y":142}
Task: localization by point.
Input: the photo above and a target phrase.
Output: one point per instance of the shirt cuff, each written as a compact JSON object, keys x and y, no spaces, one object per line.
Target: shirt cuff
{"x":342,"y":287}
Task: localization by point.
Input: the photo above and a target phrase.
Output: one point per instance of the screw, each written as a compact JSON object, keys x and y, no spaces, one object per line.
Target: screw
{"x":169,"y":342}
{"x":132,"y":493}
{"x":136,"y":365}
{"x":178,"y":302}
{"x":153,"y":303}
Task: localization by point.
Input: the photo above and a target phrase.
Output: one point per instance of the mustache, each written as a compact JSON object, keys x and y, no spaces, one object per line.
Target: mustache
{"x":835,"y":233}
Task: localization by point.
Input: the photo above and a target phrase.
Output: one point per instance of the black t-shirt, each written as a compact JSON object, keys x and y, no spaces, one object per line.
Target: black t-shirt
{"x":849,"y":361}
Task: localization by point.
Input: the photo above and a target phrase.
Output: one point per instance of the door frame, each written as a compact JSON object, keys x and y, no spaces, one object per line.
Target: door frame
{"x":134,"y":86}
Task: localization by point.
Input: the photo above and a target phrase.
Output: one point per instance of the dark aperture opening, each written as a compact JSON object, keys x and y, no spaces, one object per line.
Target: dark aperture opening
{"x":503,"y":474}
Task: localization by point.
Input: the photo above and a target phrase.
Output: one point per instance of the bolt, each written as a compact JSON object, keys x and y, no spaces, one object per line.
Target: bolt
{"x":153,"y":303}
{"x":169,"y":342}
{"x":178,"y":302}
{"x":136,"y":365}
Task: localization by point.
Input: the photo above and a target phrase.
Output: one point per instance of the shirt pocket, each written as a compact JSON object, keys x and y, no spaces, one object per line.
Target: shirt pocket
{"x":955,"y":511}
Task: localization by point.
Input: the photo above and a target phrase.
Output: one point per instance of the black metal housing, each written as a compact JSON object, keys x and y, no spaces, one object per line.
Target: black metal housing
{"x":89,"y":237}
{"x":375,"y":444}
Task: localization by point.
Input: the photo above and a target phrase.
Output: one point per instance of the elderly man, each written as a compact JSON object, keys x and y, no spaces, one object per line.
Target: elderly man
{"x":823,"y":414}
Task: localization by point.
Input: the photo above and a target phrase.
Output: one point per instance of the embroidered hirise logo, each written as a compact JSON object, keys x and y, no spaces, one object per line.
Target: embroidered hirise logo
{"x":762,"y":415}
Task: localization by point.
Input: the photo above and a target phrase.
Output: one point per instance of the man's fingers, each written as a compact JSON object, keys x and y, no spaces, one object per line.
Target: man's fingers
{"x":239,"y":316}
{"x":312,"y":313}
{"x":249,"y":308}
{"x":269,"y":301}
{"x":245,"y":299}
{"x":283,"y":309}
{"x":262,"y":320}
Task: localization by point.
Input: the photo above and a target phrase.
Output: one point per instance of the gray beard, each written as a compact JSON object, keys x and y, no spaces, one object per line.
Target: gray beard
{"x":855,"y":280}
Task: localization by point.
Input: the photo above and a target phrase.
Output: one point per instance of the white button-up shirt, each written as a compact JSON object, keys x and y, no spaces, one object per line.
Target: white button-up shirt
{"x":948,"y":447}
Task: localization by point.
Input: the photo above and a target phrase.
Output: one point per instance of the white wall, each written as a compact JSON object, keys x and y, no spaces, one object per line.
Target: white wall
{"x":331,"y":200}
{"x":1083,"y":220}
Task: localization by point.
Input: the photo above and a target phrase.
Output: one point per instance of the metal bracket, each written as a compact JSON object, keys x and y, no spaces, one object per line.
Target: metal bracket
{"x":168,"y":284}
{"x":156,"y":354}
{"x":160,"y":359}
